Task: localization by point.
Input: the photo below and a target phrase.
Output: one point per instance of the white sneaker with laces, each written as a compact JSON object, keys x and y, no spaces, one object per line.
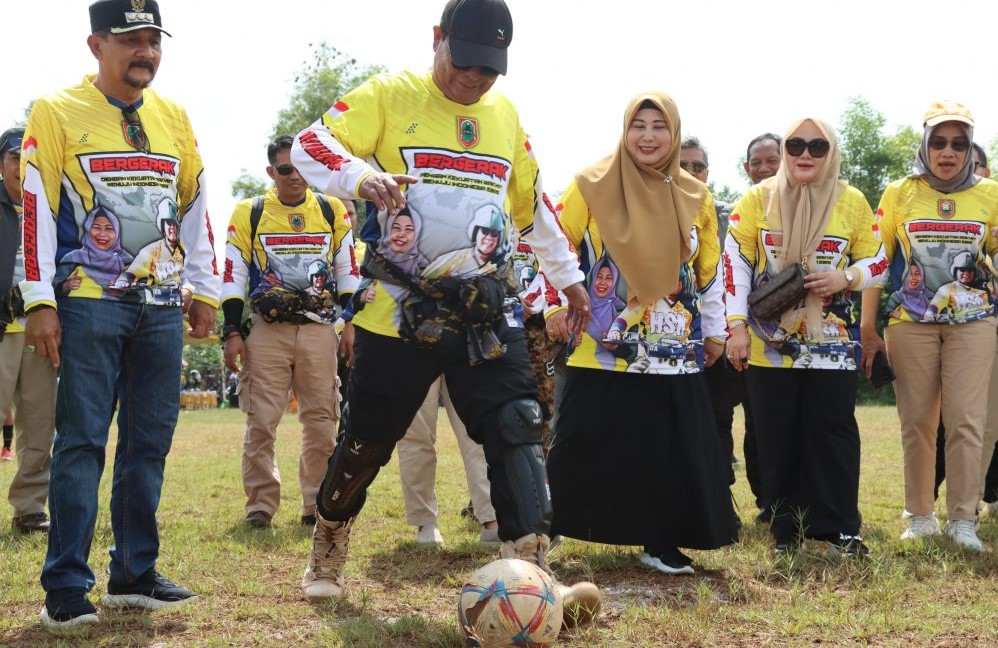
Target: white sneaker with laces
{"x":962,"y":532}
{"x":429,"y":534}
{"x":921,"y":526}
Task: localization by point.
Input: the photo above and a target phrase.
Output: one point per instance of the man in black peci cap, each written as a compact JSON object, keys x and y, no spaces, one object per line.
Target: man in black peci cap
{"x":104,"y":163}
{"x":446,"y":147}
{"x":27,"y":383}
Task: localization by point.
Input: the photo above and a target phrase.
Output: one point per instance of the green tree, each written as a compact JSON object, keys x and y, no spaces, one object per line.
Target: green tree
{"x":248,"y":185}
{"x":725,"y":193}
{"x":329,"y":76}
{"x":871,"y":159}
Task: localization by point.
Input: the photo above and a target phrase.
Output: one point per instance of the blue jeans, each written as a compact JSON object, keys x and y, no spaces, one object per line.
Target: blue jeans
{"x":127,"y":353}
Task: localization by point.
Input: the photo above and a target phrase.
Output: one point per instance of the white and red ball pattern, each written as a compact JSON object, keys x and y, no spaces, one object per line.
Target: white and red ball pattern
{"x":510,"y":602}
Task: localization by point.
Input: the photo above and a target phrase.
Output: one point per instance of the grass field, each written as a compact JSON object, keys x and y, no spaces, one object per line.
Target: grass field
{"x":401,"y":594}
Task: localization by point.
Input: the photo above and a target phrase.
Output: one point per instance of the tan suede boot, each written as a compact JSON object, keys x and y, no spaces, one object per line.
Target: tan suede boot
{"x":323,"y":577}
{"x":581,"y":602}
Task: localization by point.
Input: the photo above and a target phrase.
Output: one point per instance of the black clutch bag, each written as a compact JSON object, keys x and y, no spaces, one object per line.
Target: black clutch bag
{"x":783,"y":291}
{"x":881,"y":373}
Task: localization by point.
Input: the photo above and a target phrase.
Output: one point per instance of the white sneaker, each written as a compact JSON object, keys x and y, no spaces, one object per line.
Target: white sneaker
{"x":989,"y":510}
{"x":429,"y":534}
{"x":962,"y":532}
{"x":323,"y":577}
{"x":921,"y":526}
{"x":489,"y":537}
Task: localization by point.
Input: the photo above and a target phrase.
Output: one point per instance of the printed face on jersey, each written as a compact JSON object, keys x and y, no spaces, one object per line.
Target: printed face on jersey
{"x":291,"y":187}
{"x":603,"y":283}
{"x":131,"y":59}
{"x":102,"y":233}
{"x":461,"y":85}
{"x":402,"y":234}
{"x":648,"y":137}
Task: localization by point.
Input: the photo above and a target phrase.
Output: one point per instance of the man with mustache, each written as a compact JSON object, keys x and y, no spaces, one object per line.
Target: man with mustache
{"x":113,"y":142}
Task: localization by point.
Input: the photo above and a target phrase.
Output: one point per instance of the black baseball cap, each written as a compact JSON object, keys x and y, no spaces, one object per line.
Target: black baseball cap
{"x":11,"y":140}
{"x":121,"y":16}
{"x":478,"y":32}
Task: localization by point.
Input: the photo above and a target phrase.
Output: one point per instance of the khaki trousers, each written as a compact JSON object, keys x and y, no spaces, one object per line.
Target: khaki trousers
{"x":27,"y":382}
{"x":942,"y":368}
{"x":418,"y":462}
{"x":280,"y":357}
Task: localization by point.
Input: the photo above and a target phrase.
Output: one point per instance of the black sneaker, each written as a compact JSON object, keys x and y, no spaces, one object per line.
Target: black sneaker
{"x":308,"y":520}
{"x":31,"y":523}
{"x":787,"y":547}
{"x":65,"y":608}
{"x":848,"y":546}
{"x":152,"y":591}
{"x":668,"y":560}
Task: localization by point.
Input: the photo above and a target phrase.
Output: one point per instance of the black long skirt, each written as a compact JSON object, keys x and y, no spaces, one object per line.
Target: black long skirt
{"x":636,"y":460}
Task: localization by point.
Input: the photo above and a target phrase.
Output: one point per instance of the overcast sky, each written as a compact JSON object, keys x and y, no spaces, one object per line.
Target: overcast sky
{"x":735,"y":69}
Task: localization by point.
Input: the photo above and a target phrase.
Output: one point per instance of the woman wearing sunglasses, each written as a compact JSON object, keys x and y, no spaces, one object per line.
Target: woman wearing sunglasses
{"x":941,"y":215}
{"x":802,"y":365}
{"x":635,"y":459}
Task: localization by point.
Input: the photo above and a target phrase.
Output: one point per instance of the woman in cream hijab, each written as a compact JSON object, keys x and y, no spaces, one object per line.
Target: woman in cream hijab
{"x":635,"y":459}
{"x":802,"y":378}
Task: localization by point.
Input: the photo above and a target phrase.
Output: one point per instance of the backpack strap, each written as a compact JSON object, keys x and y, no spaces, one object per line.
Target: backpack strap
{"x":327,"y":210}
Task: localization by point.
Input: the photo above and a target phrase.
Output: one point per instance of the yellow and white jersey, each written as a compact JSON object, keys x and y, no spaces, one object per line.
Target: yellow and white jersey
{"x":82,"y":159}
{"x":478,"y":180}
{"x":294,"y":248}
{"x":938,"y":245}
{"x":752,"y":247}
{"x":665,"y":337}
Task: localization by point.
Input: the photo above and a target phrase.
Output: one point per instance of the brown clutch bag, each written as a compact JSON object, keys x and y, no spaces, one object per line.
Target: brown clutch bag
{"x":783,"y":291}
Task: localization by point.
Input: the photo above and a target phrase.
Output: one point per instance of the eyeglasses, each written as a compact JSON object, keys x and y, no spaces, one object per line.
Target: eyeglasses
{"x":694,"y":167}
{"x":818,"y":148}
{"x":958,"y":144}
{"x":285,"y":169}
{"x":135,"y":135}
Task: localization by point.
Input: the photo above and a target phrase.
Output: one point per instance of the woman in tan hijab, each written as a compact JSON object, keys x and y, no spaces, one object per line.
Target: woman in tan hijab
{"x":635,"y":459}
{"x":802,"y":365}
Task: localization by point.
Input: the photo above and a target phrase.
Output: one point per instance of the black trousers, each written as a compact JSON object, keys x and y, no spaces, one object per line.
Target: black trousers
{"x":390,"y":379}
{"x":727,"y":390}
{"x":809,"y":450}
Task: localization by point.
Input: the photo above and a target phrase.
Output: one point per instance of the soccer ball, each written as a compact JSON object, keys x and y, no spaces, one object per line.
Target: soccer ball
{"x":510,"y":602}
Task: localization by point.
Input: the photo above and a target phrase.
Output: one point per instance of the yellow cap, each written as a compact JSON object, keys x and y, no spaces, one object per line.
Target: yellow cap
{"x":944,"y":111}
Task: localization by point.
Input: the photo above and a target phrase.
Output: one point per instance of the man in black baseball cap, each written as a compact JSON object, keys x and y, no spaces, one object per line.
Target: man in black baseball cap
{"x":479,"y":32}
{"x":121,"y":16}
{"x":477,"y":157}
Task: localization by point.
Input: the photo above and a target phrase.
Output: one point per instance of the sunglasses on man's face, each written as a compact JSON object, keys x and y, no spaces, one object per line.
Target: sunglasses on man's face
{"x":693,"y":167}
{"x":285,"y":169}
{"x":958,"y":144}
{"x":818,"y":148}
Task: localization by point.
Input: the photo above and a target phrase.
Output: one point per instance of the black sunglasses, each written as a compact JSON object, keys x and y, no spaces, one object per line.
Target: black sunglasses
{"x":959,"y":144}
{"x":817,"y":147}
{"x":695,"y":167}
{"x":285,"y":169}
{"x":135,"y":135}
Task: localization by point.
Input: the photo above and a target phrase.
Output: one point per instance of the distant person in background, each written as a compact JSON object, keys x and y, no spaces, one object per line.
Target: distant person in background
{"x":989,"y":456}
{"x":305,"y":238}
{"x":27,"y":382}
{"x":726,"y":385}
{"x":762,"y":157}
{"x":418,"y":468}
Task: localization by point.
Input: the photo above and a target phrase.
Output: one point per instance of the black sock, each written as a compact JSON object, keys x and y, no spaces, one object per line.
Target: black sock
{"x":8,"y":435}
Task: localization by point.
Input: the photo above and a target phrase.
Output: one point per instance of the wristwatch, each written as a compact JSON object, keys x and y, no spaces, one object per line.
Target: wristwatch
{"x":850,"y":278}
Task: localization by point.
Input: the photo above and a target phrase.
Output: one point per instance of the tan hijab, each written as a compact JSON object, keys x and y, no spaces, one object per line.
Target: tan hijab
{"x":644,"y":214}
{"x":802,"y":212}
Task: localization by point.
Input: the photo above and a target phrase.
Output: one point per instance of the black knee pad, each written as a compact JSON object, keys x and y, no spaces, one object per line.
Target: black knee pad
{"x":521,"y":429}
{"x":352,"y":467}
